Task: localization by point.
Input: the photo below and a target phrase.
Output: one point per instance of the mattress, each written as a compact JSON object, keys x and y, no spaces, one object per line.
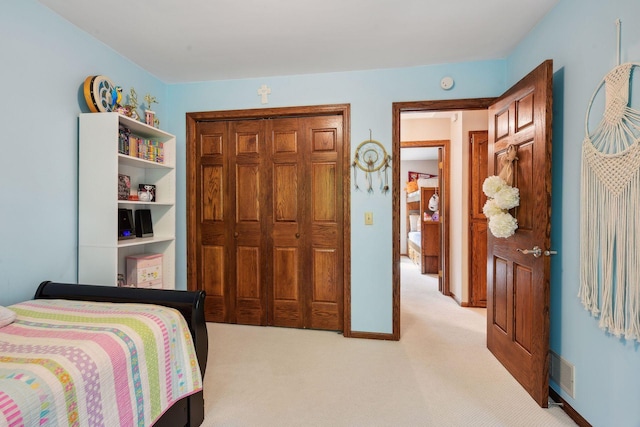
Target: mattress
{"x":415,"y":237}
{"x":80,"y":363}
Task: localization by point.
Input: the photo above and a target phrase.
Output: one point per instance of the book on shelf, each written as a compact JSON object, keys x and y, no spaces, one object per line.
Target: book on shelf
{"x":142,"y":148}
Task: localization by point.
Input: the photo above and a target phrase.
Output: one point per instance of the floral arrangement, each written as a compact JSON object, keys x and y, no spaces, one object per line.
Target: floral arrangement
{"x":500,"y":198}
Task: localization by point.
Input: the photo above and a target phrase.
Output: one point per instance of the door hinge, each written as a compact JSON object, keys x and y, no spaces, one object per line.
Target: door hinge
{"x":439,"y":273}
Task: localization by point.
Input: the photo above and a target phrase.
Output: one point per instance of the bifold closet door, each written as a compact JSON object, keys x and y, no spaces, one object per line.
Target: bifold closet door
{"x":269,"y":215}
{"x":287,"y":237}
{"x":248,"y":214}
{"x":231,"y":198}
{"x":306,"y":287}
{"x":323,"y":222}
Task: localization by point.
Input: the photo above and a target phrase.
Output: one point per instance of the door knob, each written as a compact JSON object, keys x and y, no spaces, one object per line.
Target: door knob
{"x":236,"y":234}
{"x":537,"y":252}
{"x":297,"y":235}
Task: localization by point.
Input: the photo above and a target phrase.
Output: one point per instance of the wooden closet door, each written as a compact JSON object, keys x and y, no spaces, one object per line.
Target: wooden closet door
{"x":210,"y":212}
{"x":248,"y":190}
{"x":305,"y":242}
{"x":230,"y":220}
{"x":287,"y":240}
{"x":323,"y":226}
{"x":268,"y":210}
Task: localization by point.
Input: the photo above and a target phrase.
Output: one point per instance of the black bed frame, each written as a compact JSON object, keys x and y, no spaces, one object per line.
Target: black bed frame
{"x":188,"y":411}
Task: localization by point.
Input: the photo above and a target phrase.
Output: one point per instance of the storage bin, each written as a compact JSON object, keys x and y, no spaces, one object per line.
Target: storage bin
{"x":144,"y":270}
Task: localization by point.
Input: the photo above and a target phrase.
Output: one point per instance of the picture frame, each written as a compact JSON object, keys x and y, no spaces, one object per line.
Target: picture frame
{"x":124,"y":186}
{"x":147,"y":192}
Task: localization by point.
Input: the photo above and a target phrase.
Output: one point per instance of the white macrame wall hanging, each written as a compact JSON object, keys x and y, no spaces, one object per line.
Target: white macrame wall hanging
{"x":610,"y":211}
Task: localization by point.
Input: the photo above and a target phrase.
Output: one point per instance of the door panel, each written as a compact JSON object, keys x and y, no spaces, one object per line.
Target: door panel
{"x":324,"y":192}
{"x":325,"y":298}
{"x":248,"y":196}
{"x":286,"y":240}
{"x":518,"y":284}
{"x":500,"y":295}
{"x":213,"y":280}
{"x":523,"y":310}
{"x":210,"y":220}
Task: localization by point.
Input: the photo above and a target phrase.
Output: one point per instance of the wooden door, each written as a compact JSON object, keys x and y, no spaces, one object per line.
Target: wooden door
{"x":267,"y":202}
{"x":248,"y":213}
{"x":287,"y":241}
{"x":324,"y":227}
{"x":230,"y":220}
{"x":306,"y":244}
{"x":518,"y":283}
{"x":478,"y":151}
{"x":209,"y":256}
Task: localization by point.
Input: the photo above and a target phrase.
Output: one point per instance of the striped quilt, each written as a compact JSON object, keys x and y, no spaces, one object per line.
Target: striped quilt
{"x":81,"y":363}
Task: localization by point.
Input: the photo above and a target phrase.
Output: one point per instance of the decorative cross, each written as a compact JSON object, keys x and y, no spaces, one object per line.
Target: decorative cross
{"x":263,"y":92}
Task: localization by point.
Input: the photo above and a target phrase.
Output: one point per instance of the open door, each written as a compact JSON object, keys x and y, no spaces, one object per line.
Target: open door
{"x":518,"y":267}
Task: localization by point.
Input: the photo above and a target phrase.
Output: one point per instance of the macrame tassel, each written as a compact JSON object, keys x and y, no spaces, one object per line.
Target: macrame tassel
{"x":610,"y":232}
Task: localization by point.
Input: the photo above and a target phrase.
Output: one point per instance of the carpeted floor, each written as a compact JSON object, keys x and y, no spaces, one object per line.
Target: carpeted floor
{"x":439,"y":374}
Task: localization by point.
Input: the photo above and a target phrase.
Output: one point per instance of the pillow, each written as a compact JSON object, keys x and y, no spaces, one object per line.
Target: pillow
{"x":413,"y":221}
{"x":411,"y":186}
{"x":6,"y":316}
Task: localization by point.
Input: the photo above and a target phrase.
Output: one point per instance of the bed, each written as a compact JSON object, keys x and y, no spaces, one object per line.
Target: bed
{"x":423,"y":227}
{"x":99,"y":355}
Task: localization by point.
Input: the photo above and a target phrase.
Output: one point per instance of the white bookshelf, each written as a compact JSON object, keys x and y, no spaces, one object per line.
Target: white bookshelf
{"x":101,"y":256}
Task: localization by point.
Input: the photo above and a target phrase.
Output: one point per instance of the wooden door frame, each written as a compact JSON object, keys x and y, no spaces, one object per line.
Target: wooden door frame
{"x":413,"y":106}
{"x":343,"y":110}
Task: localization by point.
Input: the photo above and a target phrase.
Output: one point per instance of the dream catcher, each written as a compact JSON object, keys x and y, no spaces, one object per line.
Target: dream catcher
{"x":371,"y":157}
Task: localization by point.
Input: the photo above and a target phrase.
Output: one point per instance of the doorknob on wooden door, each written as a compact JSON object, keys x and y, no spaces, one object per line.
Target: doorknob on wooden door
{"x":537,"y":252}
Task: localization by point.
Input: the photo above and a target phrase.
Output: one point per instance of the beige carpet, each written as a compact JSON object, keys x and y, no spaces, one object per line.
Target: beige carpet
{"x":439,"y":374}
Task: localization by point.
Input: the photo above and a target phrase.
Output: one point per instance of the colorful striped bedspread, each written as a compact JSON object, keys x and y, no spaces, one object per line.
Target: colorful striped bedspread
{"x":81,"y":363}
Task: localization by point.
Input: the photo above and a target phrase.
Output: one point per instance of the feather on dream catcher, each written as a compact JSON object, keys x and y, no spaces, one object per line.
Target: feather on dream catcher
{"x":371,"y":157}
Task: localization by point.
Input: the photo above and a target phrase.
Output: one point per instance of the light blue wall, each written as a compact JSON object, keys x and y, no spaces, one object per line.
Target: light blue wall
{"x":44,"y":63}
{"x":580,"y":37}
{"x":370,"y":94}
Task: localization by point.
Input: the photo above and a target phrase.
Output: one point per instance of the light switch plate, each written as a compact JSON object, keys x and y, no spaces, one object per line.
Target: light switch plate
{"x":368,"y":218}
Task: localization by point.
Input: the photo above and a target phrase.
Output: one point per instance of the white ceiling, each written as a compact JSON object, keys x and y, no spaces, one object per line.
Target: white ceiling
{"x":200,"y":40}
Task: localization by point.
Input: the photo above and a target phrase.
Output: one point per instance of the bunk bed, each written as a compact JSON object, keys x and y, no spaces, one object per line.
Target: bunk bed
{"x":423,"y":227}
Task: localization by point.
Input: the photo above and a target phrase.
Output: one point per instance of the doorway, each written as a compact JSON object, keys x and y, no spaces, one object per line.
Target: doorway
{"x":424,"y":168}
{"x":400,"y":108}
{"x":517,"y":277}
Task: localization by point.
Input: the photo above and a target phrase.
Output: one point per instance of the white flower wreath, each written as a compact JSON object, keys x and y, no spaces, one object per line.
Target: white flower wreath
{"x":500,"y":198}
